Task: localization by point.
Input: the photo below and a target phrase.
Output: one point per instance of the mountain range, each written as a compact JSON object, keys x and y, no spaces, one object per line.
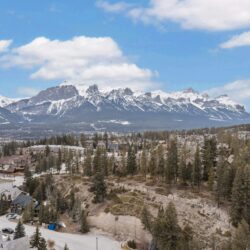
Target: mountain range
{"x":70,"y":108}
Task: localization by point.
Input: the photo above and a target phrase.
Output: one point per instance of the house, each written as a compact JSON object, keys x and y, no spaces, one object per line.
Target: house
{"x":9,"y":192}
{"x":14,"y":163}
{"x":20,"y":203}
{"x":113,"y":146}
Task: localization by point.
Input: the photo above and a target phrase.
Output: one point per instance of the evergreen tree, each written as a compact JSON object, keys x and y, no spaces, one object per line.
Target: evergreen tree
{"x":131,"y":161}
{"x":104,"y":163}
{"x":35,"y":239}
{"x":42,"y":244}
{"x":97,"y":160}
{"x":83,"y":140}
{"x":172,"y":162}
{"x":211,"y":178}
{"x":223,"y":181}
{"x":153,"y":163}
{"x":143,"y":163}
{"x":146,"y":219}
{"x":161,"y":162}
{"x":187,"y":238}
{"x":196,"y":172}
{"x":246,"y":210}
{"x":88,"y":164}
{"x":166,"y":231}
{"x":99,"y":188}
{"x":106,"y":140}
{"x":209,"y":154}
{"x":238,"y":195}
{"x":47,"y":151}
{"x":59,"y":161}
{"x":19,"y":230}
{"x":183,"y":170}
{"x":241,"y":238}
{"x":95,"y":140}
{"x":72,"y":200}
{"x":84,"y":223}
{"x":66,"y":247}
{"x":28,"y":213}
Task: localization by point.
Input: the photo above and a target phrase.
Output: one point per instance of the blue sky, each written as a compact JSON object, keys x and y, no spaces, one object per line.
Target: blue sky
{"x":168,"y":51}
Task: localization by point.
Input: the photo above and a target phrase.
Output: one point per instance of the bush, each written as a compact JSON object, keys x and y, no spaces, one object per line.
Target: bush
{"x":132,"y":244}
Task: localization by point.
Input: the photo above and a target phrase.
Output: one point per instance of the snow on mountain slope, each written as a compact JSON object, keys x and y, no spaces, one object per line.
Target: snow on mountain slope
{"x":5,"y":101}
{"x":74,"y":104}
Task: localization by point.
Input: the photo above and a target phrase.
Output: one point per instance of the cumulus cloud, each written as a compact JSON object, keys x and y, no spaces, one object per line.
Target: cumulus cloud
{"x":237,"y":41}
{"x":27,"y":91}
{"x":238,"y":90}
{"x":4,"y":45}
{"x":82,"y":59}
{"x":115,"y":8}
{"x":212,"y":15}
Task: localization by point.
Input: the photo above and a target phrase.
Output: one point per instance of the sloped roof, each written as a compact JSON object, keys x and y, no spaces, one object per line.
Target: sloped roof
{"x":22,"y":200}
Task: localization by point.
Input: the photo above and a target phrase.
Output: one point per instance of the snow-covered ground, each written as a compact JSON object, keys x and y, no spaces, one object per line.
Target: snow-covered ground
{"x":13,"y":180}
{"x":74,"y":241}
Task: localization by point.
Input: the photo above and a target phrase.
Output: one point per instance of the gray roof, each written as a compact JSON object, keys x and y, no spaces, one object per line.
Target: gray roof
{"x":22,"y":200}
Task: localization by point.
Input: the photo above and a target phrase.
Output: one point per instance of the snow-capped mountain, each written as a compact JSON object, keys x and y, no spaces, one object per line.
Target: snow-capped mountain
{"x":5,"y":101}
{"x":91,"y":108}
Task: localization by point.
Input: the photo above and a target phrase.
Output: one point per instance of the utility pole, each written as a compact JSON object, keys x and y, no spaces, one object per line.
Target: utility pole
{"x":96,"y":243}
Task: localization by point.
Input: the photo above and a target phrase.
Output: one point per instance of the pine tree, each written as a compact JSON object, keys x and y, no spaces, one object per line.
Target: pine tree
{"x":146,"y":219}
{"x":223,"y":180}
{"x":131,"y":161}
{"x":42,"y":244}
{"x":88,"y":164}
{"x":66,"y":247}
{"x":28,"y":213}
{"x":153,"y":163}
{"x":106,"y":140}
{"x":161,"y":162}
{"x":84,"y":223}
{"x":246,"y":210}
{"x":72,"y":200}
{"x":95,"y":140}
{"x":211,"y":178}
{"x":166,"y":231}
{"x":209,"y":153}
{"x":196,"y":172}
{"x":35,"y":239}
{"x":47,"y":151}
{"x":238,"y":195}
{"x":97,"y":160}
{"x":59,"y":161}
{"x":99,"y":188}
{"x":187,"y":238}
{"x":104,"y":163}
{"x":19,"y":230}
{"x":183,"y":171}
{"x":143,"y":163}
{"x":83,"y":140}
{"x":172,"y":162}
{"x":241,"y":238}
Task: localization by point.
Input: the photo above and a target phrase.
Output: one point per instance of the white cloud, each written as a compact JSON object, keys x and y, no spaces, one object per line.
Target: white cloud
{"x":4,"y":45}
{"x":212,"y":15}
{"x":82,"y":59}
{"x":27,"y":91}
{"x":238,"y":91}
{"x":116,"y":7}
{"x":237,"y":41}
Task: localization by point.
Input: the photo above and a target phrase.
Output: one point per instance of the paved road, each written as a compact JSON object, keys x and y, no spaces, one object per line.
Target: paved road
{"x":74,"y":241}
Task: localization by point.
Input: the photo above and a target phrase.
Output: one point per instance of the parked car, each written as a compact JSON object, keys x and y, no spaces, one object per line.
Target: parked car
{"x":11,"y":216}
{"x":7,"y":230}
